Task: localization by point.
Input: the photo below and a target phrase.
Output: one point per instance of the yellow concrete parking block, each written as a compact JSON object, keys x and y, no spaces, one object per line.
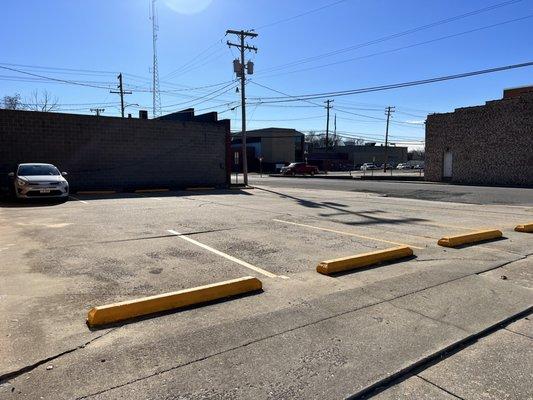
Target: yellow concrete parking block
{"x":363,"y":260}
{"x":151,"y":190}
{"x":467,"y":238}
{"x":524,"y":227}
{"x":110,"y":313}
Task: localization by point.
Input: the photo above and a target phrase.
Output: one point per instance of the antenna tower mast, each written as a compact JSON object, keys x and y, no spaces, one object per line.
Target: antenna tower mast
{"x":156,"y":95}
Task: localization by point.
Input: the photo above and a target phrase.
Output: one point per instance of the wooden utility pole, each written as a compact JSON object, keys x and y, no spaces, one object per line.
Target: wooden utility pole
{"x":242,"y":74}
{"x":328,"y":107}
{"x":121,"y":92}
{"x":388,"y":111}
{"x":97,"y":111}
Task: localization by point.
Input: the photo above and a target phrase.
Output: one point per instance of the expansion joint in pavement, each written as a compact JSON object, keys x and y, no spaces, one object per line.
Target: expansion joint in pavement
{"x":439,"y":387}
{"x":364,"y":391}
{"x":27,"y":368}
{"x":426,"y":362}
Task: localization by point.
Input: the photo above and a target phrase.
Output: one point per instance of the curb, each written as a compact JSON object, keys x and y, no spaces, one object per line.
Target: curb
{"x":439,"y":355}
{"x":150,"y":190}
{"x":199,"y":188}
{"x":363,"y":260}
{"x":110,"y":313}
{"x":524,"y":228}
{"x":467,"y":238}
{"x":97,"y":192}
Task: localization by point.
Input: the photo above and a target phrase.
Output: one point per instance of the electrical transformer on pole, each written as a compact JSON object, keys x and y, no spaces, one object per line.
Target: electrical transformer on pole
{"x":240,"y":70}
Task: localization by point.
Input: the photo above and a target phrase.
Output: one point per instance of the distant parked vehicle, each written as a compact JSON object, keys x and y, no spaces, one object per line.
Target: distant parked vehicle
{"x":39,"y":180}
{"x":402,"y":166}
{"x":299,"y":168}
{"x":368,"y":166}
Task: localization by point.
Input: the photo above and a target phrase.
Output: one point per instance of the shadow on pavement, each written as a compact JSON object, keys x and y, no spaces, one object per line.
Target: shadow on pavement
{"x":29,"y":203}
{"x":373,"y":266}
{"x":343,"y":211}
{"x":176,"y":193}
{"x":464,"y":246}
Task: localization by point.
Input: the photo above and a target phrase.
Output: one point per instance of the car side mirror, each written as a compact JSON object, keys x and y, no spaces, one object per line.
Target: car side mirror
{"x":11,"y":174}
{"x":64,"y":173}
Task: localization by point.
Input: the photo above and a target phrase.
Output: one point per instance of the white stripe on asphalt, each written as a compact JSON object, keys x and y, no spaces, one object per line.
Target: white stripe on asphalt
{"x":75,"y":198}
{"x":226,"y":256}
{"x":347,"y":233}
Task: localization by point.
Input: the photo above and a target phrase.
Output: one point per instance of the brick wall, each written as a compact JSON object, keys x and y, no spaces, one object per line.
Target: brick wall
{"x":109,"y":152}
{"x":490,"y":144}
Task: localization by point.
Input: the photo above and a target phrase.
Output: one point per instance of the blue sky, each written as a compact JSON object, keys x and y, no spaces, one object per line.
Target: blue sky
{"x":91,"y":41}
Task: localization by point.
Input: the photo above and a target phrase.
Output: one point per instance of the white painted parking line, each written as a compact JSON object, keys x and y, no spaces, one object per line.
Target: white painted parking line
{"x":226,"y":256}
{"x":75,"y":198}
{"x":347,"y":233}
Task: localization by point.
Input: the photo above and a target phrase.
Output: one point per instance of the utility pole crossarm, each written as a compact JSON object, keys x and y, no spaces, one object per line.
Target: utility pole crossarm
{"x":246,"y":47}
{"x":243,"y":33}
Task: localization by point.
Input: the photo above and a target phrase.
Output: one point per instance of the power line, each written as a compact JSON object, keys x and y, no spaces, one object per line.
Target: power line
{"x":307,"y":97}
{"x":230,"y":86}
{"x":400,"y":48}
{"x":172,"y":73}
{"x":280,"y":21}
{"x":394,"y":35}
{"x":53,"y":79}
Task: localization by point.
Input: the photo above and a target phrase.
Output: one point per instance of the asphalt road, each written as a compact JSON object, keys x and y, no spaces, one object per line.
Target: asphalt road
{"x":406,"y":189}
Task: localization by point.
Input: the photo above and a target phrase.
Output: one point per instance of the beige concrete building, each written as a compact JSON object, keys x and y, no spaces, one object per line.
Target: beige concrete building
{"x":274,"y":146}
{"x":490,"y":144}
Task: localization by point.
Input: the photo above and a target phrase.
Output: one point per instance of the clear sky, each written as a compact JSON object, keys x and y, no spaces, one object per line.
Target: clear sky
{"x":89,"y":42}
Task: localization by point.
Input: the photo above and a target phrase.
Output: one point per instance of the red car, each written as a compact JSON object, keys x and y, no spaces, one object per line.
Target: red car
{"x":299,"y":168}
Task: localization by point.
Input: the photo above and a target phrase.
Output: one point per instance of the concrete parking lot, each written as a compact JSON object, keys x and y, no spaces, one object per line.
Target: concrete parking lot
{"x":446,"y":323}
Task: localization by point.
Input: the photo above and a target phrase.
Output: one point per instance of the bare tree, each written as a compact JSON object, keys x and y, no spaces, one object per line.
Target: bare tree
{"x":45,"y":102}
{"x":416,"y":154}
{"x":12,"y":102}
{"x":315,"y":140}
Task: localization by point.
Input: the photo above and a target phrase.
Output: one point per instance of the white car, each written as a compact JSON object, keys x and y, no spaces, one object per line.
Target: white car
{"x":39,"y":180}
{"x":367,"y":166}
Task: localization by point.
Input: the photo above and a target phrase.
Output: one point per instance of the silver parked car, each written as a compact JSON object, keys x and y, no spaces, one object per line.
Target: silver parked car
{"x":39,"y":180}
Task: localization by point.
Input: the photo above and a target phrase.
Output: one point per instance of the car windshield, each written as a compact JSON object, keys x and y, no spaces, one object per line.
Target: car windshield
{"x":36,"y":170}
{"x":294,"y":164}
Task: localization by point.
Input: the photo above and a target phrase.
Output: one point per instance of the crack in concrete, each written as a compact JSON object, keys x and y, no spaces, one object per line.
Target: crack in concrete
{"x":439,"y":387}
{"x":518,"y":333}
{"x":428,"y":317}
{"x":435,"y":358}
{"x":27,"y":368}
{"x":523,"y":257}
{"x":371,"y":388}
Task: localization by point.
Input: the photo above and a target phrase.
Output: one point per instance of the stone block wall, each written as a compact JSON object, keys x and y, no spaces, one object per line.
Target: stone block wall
{"x":490,"y":144}
{"x":117,"y":153}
